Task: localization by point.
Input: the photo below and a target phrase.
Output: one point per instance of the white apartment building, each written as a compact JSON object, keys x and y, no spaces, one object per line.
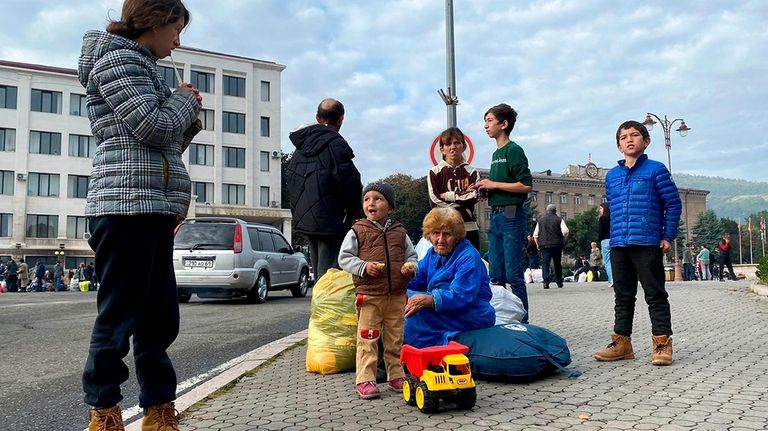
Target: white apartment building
{"x":46,"y":149}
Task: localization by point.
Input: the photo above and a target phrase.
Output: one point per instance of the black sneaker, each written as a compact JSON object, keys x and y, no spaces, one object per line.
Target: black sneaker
{"x":546,"y":285}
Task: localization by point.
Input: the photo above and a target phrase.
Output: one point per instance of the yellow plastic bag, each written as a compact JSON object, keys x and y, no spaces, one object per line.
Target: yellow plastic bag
{"x":331,"y":337}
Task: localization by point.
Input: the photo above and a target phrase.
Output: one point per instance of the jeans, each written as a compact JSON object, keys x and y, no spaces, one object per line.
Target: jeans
{"x":726,"y":262}
{"x":555,"y":255}
{"x":533,"y":262}
{"x":138,"y":297}
{"x":688,"y":272}
{"x":705,"y":275}
{"x":605,"y":249}
{"x":644,"y":263}
{"x":506,"y":238}
{"x":324,"y":252}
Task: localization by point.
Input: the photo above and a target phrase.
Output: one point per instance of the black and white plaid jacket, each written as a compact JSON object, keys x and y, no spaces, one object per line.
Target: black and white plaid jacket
{"x":140,"y":128}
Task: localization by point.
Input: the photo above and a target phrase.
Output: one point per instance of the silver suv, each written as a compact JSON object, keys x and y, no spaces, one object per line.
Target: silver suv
{"x":217,"y":257}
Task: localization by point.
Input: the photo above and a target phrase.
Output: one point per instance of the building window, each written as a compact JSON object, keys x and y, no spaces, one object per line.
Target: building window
{"x":563,"y":198}
{"x":169,"y":76}
{"x":43,"y":184}
{"x":46,"y":101}
{"x":233,"y":194}
{"x":6,"y":183}
{"x":201,"y":154}
{"x":206,"y":117}
{"x":7,"y":139}
{"x":82,"y":146}
{"x":264,"y":196}
{"x":591,"y":200}
{"x":6,"y":221}
{"x":77,"y":226}
{"x":265,"y":91}
{"x":45,"y":143}
{"x":77,"y":105}
{"x":548,"y":197}
{"x":203,"y":191}
{"x":234,"y":86}
{"x":265,"y":127}
{"x":603,"y":199}
{"x":534,"y":196}
{"x":77,"y":186}
{"x":7,"y":97}
{"x":234,"y":157}
{"x":202,"y":81}
{"x":264,"y":161}
{"x":577,"y":199}
{"x":234,"y":122}
{"x":564,"y":215}
{"x":42,"y":226}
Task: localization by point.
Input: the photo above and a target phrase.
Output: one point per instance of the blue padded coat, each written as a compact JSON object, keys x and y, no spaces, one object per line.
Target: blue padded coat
{"x":644,"y":202}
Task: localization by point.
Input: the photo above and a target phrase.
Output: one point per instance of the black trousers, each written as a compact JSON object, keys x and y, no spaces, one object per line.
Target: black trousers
{"x":726,"y":262}
{"x":554,"y":255}
{"x":137,"y":297}
{"x":643,"y":263}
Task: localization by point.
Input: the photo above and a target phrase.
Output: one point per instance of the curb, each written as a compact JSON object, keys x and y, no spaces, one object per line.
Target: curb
{"x":252,"y":360}
{"x":759,"y":289}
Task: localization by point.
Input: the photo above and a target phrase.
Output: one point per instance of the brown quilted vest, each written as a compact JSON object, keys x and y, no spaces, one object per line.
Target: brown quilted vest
{"x":377,"y":246}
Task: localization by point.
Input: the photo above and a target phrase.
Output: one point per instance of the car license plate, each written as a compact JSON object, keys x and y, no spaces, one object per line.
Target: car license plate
{"x":196,"y":263}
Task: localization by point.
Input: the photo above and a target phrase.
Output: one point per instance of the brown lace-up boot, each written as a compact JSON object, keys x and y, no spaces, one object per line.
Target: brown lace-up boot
{"x":110,"y":419}
{"x":662,"y":350}
{"x":162,"y":417}
{"x":620,"y":348}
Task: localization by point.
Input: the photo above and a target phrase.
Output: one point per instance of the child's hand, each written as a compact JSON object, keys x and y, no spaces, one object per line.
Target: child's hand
{"x":408,"y":269}
{"x":374,"y":269}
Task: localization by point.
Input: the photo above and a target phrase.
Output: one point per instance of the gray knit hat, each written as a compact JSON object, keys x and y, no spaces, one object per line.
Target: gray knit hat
{"x":385,"y":189}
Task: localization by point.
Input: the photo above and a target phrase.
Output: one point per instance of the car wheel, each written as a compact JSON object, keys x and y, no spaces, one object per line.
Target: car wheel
{"x":260,"y":290}
{"x":184,"y":297}
{"x":300,"y":289}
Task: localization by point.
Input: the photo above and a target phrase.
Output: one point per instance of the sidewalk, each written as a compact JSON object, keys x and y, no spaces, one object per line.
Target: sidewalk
{"x":718,"y":380}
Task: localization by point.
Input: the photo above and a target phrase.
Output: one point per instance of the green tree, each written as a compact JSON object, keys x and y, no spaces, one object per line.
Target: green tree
{"x":583,"y":231}
{"x":708,"y":230}
{"x":411,"y":202}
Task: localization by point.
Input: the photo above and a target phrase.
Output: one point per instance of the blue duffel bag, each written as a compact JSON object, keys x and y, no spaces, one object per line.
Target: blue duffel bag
{"x":516,"y":352}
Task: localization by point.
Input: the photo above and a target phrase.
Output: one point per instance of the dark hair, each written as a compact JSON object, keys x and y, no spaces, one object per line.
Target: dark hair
{"x":450,"y":134}
{"x":142,"y":15}
{"x":332,"y":113}
{"x":503,"y":112}
{"x":606,"y":209}
{"x":631,"y":124}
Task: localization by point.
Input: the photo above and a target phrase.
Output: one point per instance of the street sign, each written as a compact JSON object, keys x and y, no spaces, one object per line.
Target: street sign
{"x":434,"y":150}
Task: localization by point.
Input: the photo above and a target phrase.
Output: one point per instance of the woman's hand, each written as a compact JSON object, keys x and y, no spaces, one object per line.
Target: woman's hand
{"x":188,"y":88}
{"x":418,"y":302}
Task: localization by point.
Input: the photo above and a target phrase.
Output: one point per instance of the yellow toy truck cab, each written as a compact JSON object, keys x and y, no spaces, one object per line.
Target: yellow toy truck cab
{"x":438,"y":373}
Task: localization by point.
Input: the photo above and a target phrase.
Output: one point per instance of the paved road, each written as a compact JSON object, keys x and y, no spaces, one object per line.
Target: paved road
{"x":44,"y":339}
{"x":718,"y":380}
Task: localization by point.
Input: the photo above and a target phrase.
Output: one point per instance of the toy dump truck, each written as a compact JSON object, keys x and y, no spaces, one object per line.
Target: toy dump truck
{"x":437,"y":373}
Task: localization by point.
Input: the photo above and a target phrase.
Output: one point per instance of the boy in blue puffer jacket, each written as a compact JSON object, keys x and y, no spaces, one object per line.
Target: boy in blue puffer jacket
{"x":645,"y":212}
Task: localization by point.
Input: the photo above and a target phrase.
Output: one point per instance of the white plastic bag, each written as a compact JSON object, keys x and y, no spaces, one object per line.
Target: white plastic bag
{"x":527,"y":275}
{"x":509,"y":308}
{"x":422,"y":247}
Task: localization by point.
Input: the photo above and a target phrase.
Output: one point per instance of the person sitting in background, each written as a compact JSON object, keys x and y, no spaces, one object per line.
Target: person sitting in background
{"x":451,"y":290}
{"x":581,"y":266}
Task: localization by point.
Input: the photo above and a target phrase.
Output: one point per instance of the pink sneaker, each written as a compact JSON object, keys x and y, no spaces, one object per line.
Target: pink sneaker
{"x":368,"y":390}
{"x":397,"y":384}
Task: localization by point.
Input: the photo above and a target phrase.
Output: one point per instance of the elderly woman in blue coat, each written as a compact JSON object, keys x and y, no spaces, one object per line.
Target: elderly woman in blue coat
{"x":450,"y":292}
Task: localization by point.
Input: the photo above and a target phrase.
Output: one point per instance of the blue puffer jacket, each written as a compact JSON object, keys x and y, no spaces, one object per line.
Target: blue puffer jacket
{"x":644,"y":201}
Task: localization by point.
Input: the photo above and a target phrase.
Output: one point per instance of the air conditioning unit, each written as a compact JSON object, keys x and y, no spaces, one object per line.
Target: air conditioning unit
{"x":21,"y":177}
{"x":277,"y":154}
{"x":273,"y":204}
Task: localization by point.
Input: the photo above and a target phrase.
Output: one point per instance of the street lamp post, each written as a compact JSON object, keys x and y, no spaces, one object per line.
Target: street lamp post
{"x":683,"y":129}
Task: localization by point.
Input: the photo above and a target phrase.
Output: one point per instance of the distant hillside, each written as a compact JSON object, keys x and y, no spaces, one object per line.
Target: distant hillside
{"x":728,"y":197}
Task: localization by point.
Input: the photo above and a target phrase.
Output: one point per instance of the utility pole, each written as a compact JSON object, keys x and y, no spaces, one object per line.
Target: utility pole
{"x":450,"y":99}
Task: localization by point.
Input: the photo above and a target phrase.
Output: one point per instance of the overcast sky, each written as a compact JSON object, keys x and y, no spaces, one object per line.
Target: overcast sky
{"x":574,"y":70}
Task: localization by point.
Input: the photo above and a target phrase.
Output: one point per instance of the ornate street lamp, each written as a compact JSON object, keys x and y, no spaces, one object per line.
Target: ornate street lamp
{"x":683,"y":129}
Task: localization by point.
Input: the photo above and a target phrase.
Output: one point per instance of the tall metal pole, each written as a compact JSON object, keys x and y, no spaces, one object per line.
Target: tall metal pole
{"x":450,"y":64}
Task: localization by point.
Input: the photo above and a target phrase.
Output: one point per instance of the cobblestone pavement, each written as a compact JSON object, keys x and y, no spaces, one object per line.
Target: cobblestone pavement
{"x":719,"y":380}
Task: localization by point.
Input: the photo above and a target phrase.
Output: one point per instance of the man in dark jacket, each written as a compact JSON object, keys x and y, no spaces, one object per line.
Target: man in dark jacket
{"x":324,"y":185}
{"x":725,"y":248}
{"x":550,"y":234}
